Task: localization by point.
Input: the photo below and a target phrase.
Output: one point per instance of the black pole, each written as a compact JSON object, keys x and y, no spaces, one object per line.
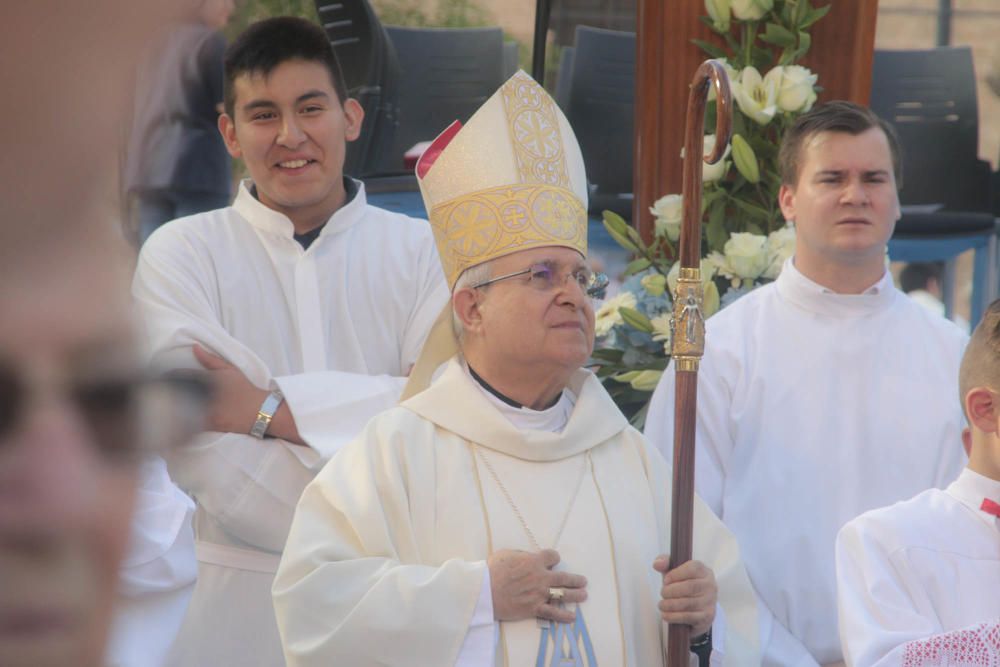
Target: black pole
{"x":543,"y":8}
{"x":945,"y":12}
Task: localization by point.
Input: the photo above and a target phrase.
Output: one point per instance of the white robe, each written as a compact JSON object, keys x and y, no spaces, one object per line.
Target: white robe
{"x":814,"y":407}
{"x":336,"y":327}
{"x":919,"y":581}
{"x":157,"y":575}
{"x":387,"y":554}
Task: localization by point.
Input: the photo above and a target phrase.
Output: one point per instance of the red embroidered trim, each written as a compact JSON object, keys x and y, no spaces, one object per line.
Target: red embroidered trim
{"x":974,"y":647}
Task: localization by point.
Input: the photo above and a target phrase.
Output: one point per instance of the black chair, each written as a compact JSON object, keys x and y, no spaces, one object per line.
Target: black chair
{"x":562,"y":80}
{"x":371,"y":73}
{"x":930,"y":98}
{"x":601,"y":110}
{"x":446,"y":75}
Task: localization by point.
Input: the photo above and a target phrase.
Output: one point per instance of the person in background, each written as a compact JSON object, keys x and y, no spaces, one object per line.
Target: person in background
{"x":923,"y":282}
{"x":826,"y":393}
{"x":177,"y":163}
{"x":918,"y":582}
{"x":306,"y":305}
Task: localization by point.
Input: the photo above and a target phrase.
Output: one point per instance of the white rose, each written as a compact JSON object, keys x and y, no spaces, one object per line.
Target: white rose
{"x":607,"y":316}
{"x":780,"y":246}
{"x":712,"y":172}
{"x":668,"y":211}
{"x":797,"y":92}
{"x":758,"y":97}
{"x":751,"y":10}
{"x":718,"y":11}
{"x":746,"y":254}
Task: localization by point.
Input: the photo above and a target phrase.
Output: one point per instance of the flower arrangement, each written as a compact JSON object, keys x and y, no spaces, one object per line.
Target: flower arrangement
{"x":745,"y":239}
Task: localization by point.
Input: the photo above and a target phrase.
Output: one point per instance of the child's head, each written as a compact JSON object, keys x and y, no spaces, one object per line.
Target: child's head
{"x":979,"y":387}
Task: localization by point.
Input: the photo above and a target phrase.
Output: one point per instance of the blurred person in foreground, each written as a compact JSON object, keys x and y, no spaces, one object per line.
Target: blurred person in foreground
{"x":825,"y":393}
{"x":507,"y":513}
{"x":73,"y":448}
{"x":308,"y":307}
{"x":177,"y":163}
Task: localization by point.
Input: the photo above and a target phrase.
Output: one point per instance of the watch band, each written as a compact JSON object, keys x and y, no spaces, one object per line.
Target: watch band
{"x":266,"y":413}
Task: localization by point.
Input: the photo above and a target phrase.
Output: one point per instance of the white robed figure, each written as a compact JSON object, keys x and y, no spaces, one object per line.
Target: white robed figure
{"x":507,"y":514}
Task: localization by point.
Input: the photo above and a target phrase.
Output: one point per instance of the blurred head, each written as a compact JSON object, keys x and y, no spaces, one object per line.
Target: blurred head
{"x":537,"y":324}
{"x":979,"y":387}
{"x":66,"y":476}
{"x":839,"y":167}
{"x":215,"y":13}
{"x":289,"y":118}
{"x":65,"y":495}
{"x":922,"y":276}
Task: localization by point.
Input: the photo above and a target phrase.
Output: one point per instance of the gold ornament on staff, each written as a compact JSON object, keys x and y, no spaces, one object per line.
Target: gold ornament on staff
{"x":688,"y":322}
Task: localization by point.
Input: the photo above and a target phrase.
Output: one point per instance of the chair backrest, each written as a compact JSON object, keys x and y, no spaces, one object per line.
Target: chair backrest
{"x":930,"y":98}
{"x":601,"y":105}
{"x":371,"y":73}
{"x":510,"y":59}
{"x":563,"y":77}
{"x":445,"y":75}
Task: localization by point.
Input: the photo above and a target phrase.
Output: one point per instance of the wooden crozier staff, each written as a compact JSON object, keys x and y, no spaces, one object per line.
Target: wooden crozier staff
{"x":688,"y":323}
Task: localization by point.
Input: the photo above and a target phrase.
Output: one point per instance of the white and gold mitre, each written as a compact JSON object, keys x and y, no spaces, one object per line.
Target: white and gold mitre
{"x":511,"y":179}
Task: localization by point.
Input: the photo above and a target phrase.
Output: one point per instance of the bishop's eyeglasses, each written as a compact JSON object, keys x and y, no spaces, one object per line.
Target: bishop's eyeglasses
{"x":545,"y":276}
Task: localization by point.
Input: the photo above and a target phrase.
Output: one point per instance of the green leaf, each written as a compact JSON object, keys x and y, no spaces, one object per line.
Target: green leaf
{"x":754,"y":229}
{"x":607,"y":354}
{"x":709,"y":48}
{"x":618,"y":229}
{"x":715,"y":232}
{"x":778,"y":35}
{"x":805,"y":41}
{"x":635,"y":319}
{"x":751,"y":209}
{"x":813,"y":16}
{"x":637,"y":265}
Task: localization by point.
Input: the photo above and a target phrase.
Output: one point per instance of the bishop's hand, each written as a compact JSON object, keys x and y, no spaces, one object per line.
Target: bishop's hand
{"x":520,"y":581}
{"x":688,"y":595}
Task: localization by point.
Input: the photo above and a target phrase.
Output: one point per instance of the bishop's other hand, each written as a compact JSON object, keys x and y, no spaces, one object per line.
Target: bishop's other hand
{"x":688,"y":594}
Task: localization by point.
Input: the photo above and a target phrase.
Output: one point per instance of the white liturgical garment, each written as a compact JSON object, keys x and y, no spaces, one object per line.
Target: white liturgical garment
{"x":919,"y":581}
{"x":386,"y":557}
{"x":814,"y":407}
{"x":157,"y":575}
{"x":335,"y":326}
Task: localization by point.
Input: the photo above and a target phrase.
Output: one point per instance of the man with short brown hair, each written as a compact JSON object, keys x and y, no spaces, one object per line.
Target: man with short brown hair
{"x":825,"y":393}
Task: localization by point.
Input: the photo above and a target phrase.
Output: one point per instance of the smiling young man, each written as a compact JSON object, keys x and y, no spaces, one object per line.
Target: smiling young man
{"x":307,"y":306}
{"x":826,"y":393}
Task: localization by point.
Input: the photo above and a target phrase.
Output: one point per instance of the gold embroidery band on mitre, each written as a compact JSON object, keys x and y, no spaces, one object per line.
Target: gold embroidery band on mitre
{"x":483,"y":225}
{"x":534,"y":132}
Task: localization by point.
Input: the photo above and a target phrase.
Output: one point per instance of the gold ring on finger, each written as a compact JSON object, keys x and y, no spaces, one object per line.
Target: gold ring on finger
{"x":557,"y":594}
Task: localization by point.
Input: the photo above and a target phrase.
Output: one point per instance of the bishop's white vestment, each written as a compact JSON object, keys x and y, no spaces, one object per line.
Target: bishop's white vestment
{"x":919,"y":581}
{"x":386,"y":557}
{"x":336,"y":327}
{"x":814,"y":407}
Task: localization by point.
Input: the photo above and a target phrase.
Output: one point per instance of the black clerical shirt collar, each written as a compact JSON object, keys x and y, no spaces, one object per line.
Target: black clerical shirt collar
{"x":503,"y":397}
{"x":306,"y":239}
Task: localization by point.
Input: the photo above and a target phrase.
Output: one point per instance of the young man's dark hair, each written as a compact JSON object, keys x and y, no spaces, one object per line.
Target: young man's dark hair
{"x":836,"y":116}
{"x":268,"y":43}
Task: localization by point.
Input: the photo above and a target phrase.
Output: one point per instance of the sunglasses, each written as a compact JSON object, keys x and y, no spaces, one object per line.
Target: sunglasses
{"x":128,"y":416}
